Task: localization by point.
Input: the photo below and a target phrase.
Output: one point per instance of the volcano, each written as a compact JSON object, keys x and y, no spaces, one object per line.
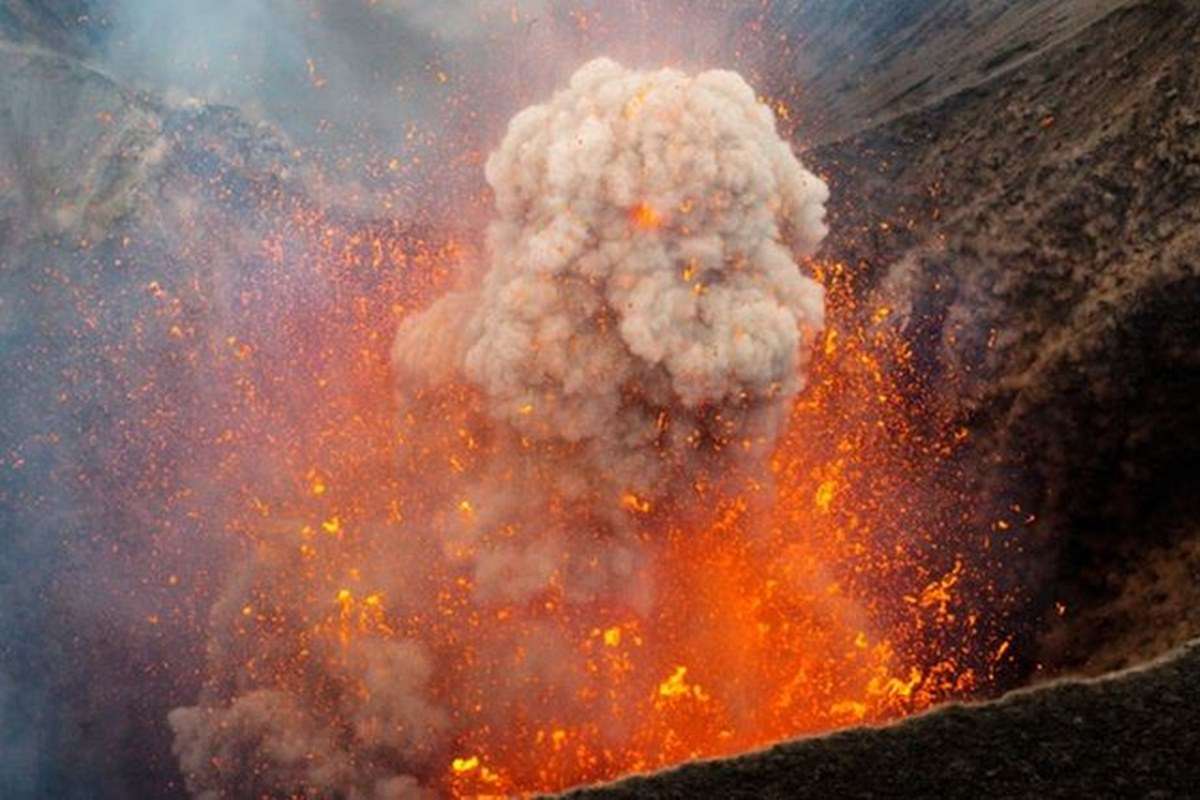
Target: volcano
{"x":508,"y":397}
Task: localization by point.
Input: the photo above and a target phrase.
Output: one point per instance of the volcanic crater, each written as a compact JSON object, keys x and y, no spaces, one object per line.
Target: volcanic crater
{"x":979,"y":519}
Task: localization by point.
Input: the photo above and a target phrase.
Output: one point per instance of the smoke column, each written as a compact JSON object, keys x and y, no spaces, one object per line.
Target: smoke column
{"x":642,"y":321}
{"x":636,"y":333}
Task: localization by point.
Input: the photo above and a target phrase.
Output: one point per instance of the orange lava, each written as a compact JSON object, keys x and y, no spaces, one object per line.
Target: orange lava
{"x":845,"y":593}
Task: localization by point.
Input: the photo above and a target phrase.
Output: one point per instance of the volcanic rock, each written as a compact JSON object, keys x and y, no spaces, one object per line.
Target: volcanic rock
{"x":1019,"y":179}
{"x":1037,"y":235}
{"x":1130,"y":734}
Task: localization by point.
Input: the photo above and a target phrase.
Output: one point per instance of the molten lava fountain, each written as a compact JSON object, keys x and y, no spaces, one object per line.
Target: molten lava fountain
{"x":598,"y":524}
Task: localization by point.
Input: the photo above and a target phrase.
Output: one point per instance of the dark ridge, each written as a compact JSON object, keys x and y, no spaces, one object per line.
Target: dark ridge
{"x":1131,"y":734}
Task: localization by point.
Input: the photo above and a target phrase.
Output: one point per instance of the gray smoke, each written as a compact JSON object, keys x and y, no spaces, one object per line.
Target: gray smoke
{"x":390,"y":100}
{"x":641,"y":326}
{"x":642,"y":315}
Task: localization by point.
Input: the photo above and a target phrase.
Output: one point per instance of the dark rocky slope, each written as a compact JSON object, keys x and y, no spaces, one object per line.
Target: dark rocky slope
{"x":864,"y":63}
{"x":1130,"y":734}
{"x":1038,"y":236}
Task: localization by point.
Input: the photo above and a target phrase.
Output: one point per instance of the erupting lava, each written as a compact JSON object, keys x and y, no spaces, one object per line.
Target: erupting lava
{"x":600,"y":529}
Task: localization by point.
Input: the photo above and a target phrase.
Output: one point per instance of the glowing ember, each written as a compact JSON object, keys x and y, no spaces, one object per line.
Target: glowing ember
{"x":645,"y":217}
{"x":579,"y":544}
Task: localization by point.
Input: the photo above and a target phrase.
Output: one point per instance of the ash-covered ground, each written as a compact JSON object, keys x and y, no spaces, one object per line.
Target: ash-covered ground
{"x":1019,"y":182}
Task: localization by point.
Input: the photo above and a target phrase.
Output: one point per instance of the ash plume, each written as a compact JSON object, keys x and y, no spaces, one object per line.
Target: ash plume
{"x":639,"y":330}
{"x":642,"y":315}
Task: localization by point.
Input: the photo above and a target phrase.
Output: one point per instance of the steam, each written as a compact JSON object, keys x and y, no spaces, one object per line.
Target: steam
{"x":639,"y":332}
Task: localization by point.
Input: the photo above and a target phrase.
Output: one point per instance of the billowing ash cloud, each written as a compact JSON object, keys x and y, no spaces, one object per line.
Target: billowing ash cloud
{"x":642,"y":315}
{"x":306,"y":696}
{"x":640,"y":328}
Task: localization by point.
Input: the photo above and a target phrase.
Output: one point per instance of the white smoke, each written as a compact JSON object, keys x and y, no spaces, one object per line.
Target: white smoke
{"x":641,"y":328}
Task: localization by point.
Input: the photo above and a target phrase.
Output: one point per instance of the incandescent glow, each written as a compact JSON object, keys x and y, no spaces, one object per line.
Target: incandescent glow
{"x":645,"y":217}
{"x":595,"y":509}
